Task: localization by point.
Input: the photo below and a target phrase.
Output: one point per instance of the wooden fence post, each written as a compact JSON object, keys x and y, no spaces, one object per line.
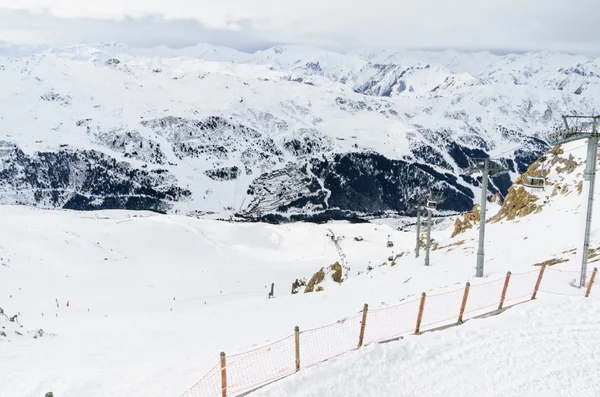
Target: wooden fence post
{"x":362,"y":325}
{"x":420,"y":316}
{"x":223,"y":375}
{"x":537,"y":283}
{"x":504,"y":290}
{"x":464,"y":302}
{"x":297,"y":338}
{"x":589,"y":288}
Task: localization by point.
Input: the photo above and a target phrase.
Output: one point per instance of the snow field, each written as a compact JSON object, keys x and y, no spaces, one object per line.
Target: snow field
{"x":544,"y":348}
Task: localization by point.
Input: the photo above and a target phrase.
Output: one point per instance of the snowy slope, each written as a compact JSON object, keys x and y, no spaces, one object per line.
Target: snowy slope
{"x":210,"y":129}
{"x":153,"y":298}
{"x":530,"y":350}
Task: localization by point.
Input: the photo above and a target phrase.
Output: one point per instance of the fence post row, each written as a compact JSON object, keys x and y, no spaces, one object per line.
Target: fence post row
{"x":464,"y":302}
{"x":363,"y":324}
{"x":223,"y":375}
{"x":504,"y":290}
{"x":592,"y":278}
{"x":419,"y":319}
{"x":537,"y":283}
{"x":297,"y":341}
{"x":420,"y":316}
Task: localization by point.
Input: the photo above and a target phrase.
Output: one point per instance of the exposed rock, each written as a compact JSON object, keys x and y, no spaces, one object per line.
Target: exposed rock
{"x":296,"y":285}
{"x":551,"y":262}
{"x":317,"y":278}
{"x":335,"y":271}
{"x":456,"y":244}
{"x":400,"y":255}
{"x":569,"y":164}
{"x":423,"y":242}
{"x":518,"y":203}
{"x":63,"y":100}
{"x":469,"y":219}
{"x":336,"y":268}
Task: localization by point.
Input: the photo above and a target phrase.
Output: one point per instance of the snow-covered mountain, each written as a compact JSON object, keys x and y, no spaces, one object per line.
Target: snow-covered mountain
{"x":153,"y":299}
{"x":287,"y":131}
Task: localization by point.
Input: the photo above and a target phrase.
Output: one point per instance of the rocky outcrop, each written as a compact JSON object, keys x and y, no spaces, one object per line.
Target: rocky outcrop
{"x":517,"y":204}
{"x":334,"y":272}
{"x":469,"y":219}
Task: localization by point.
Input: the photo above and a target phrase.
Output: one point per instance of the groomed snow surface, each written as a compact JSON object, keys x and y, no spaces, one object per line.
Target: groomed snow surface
{"x":548,"y":347}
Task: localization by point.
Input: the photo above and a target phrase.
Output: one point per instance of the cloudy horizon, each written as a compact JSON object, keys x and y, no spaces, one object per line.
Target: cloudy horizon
{"x":464,"y":25}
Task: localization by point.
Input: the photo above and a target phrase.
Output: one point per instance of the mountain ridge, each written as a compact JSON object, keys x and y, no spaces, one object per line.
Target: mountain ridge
{"x":327,"y":131}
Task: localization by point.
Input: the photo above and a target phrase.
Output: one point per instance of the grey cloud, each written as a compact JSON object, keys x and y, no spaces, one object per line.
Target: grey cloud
{"x":467,"y":25}
{"x":22,"y":27}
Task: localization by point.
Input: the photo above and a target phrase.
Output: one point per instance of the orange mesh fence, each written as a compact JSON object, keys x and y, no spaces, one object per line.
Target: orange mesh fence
{"x":561,"y":282}
{"x":248,"y":370}
{"x":520,"y":287}
{"x":391,"y":322}
{"x":320,"y":344}
{"x":442,"y":309}
{"x":208,"y":386}
{"x":484,"y":297}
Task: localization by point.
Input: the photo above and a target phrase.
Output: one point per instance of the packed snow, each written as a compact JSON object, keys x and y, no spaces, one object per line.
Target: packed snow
{"x":544,"y":348}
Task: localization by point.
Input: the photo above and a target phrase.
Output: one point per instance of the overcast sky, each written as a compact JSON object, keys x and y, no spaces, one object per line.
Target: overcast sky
{"x":248,"y":25}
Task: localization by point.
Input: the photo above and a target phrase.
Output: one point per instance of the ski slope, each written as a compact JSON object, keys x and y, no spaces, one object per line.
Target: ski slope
{"x":544,"y":348}
{"x":153,"y":298}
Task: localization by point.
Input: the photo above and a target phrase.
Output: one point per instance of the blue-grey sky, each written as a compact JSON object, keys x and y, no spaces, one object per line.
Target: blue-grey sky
{"x":248,"y":25}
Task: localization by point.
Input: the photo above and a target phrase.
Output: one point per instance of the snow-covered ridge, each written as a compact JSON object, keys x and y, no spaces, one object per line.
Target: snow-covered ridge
{"x":210,"y":129}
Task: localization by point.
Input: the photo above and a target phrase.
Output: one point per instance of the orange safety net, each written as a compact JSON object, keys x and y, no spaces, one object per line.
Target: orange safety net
{"x":320,"y":344}
{"x":562,"y":282}
{"x":391,"y":322}
{"x":250,"y":370}
{"x":208,"y":386}
{"x":520,"y":288}
{"x":441,"y":309}
{"x":257,"y":367}
{"x":483,"y":298}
